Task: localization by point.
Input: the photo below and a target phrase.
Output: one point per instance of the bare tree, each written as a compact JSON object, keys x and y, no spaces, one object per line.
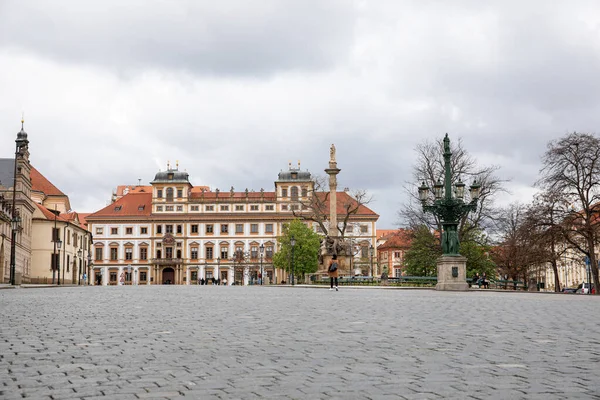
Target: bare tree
{"x":240,"y":261}
{"x":571,"y":171}
{"x":512,"y":253}
{"x":430,"y":168}
{"x":316,"y":207}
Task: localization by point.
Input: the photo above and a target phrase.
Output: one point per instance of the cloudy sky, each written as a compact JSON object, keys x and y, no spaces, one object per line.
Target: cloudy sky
{"x":234,"y":90}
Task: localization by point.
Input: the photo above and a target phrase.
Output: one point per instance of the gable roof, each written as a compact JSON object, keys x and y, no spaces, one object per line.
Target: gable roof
{"x":130,"y":205}
{"x":39,"y":183}
{"x":49,"y":215}
{"x":343,"y":199}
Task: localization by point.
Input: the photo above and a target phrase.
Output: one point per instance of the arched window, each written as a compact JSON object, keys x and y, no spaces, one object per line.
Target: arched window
{"x":169,"y":194}
{"x":294,"y":192}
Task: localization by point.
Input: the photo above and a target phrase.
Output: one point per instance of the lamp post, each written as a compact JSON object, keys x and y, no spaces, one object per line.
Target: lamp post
{"x":218,"y":269}
{"x":293,"y":244}
{"x":89,"y":268}
{"x":371,"y":251}
{"x":449,"y":209}
{"x":58,"y":246}
{"x":262,"y":275}
{"x":14,"y":224}
{"x":79,"y":253}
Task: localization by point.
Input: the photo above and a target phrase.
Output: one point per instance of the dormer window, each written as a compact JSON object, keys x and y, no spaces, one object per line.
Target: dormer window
{"x":170,"y":176}
{"x":118,"y":208}
{"x":141,"y":207}
{"x":294,"y":175}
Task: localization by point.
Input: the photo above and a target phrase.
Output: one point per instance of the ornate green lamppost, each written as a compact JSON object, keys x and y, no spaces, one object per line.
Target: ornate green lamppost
{"x":450,"y":209}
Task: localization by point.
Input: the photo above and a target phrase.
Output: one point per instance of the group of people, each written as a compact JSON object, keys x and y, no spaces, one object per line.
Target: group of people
{"x":212,"y":281}
{"x":481,"y":280}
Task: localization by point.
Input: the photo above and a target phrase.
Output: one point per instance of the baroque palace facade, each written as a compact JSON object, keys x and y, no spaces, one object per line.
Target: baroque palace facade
{"x":174,"y":233}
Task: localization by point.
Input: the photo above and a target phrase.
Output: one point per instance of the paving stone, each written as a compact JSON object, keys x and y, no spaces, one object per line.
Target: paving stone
{"x":295,"y":343}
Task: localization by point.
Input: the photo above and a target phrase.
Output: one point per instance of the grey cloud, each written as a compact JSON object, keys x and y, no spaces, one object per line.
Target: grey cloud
{"x":207,"y":37}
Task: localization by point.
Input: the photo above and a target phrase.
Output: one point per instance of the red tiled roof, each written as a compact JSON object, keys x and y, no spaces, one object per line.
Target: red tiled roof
{"x":82,"y":218}
{"x":132,"y":189}
{"x":343,"y":199}
{"x":269,"y":196}
{"x":401,"y":239}
{"x":39,"y":183}
{"x":49,"y":215}
{"x":382,"y":233}
{"x":130,"y":205}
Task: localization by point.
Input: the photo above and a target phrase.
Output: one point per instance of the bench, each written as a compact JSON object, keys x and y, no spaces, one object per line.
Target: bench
{"x":509,"y":284}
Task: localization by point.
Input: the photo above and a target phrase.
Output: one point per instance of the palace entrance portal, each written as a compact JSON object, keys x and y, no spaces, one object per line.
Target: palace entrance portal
{"x":168,"y":276}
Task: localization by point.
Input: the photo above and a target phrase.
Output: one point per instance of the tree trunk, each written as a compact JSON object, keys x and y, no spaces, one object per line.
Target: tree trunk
{"x":556,"y":280}
{"x":594,"y":265}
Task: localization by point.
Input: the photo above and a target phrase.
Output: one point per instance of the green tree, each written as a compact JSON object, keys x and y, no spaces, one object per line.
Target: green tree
{"x":476,"y":248}
{"x":421,"y":257}
{"x":306,"y":249}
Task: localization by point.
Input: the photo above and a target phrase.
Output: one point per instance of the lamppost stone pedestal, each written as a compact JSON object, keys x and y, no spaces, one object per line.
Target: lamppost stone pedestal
{"x":452,"y":273}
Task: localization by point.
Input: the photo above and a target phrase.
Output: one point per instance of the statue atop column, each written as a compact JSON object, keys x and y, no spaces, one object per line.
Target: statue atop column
{"x":332,"y":153}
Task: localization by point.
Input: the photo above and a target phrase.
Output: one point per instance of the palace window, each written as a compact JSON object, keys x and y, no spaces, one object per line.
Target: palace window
{"x":168,"y":228}
{"x":254,"y":252}
{"x":128,"y":253}
{"x":143,"y":276}
{"x":179,"y":193}
{"x":158,"y":254}
{"x":224,"y":228}
{"x":195,"y":208}
{"x":113,"y":231}
{"x":195,"y":228}
{"x":239,"y":228}
{"x":253,"y":228}
{"x":179,"y":208}
{"x":269,"y":207}
{"x":239,"y":208}
{"x":209,"y":229}
{"x":209,"y":208}
{"x":269,"y":228}
{"x":168,"y":252}
{"x":269,"y":251}
{"x":224,"y":253}
{"x":209,"y":253}
{"x":159,"y":208}
{"x":158,"y":228}
{"x":99,"y":231}
{"x":169,"y":208}
{"x":143,"y":253}
{"x":169,"y":194}
{"x":113,"y":253}
{"x":284,"y":193}
{"x":178,"y":253}
{"x":194,"y":253}
{"x":284,"y":207}
{"x":295,"y":207}
{"x":159,"y":193}
{"x":99,"y":253}
{"x":144,"y":230}
{"x":129,"y":231}
{"x":304,"y":192}
{"x":224,"y":208}
{"x":113,"y":276}
{"x":364,"y":228}
{"x":294,"y":192}
{"x":254,"y":207}
{"x":179,"y":229}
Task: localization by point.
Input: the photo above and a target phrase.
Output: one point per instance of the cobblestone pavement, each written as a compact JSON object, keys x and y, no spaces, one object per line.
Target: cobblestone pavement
{"x":215,"y":342}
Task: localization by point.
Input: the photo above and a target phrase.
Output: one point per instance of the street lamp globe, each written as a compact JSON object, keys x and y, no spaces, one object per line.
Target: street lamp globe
{"x":460,"y":189}
{"x":438,"y":189}
{"x":423,"y":191}
{"x":474,"y":190}
{"x":16,"y":222}
{"x":58,"y":244}
{"x":292,"y":241}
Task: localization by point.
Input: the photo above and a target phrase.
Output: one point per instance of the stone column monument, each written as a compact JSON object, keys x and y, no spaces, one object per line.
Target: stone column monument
{"x":332,"y":244}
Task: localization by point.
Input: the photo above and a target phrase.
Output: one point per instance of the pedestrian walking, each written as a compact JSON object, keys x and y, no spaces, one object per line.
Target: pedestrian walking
{"x":332,"y":269}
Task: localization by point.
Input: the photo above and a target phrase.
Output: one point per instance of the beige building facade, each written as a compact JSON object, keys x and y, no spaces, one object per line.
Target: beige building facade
{"x":171,"y":232}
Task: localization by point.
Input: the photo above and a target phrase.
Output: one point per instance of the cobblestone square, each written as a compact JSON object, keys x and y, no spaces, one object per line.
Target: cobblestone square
{"x":217,"y":342}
